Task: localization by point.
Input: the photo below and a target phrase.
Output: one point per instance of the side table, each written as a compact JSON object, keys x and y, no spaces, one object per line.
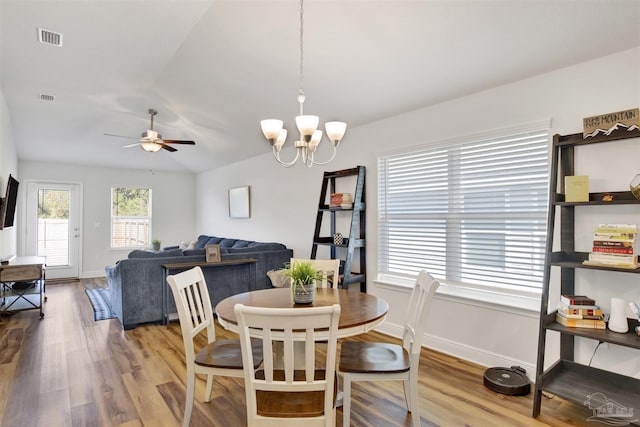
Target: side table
{"x":173,"y":268}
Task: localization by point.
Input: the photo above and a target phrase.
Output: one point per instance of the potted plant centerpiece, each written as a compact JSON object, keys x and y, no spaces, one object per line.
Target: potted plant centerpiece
{"x":155,"y":243}
{"x":303,"y":281}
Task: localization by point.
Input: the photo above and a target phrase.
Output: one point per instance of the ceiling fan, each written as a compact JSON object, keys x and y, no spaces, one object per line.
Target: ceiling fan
{"x":151,"y":140}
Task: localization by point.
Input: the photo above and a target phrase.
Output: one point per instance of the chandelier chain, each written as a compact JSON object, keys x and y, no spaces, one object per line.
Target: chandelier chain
{"x":301,"y":47}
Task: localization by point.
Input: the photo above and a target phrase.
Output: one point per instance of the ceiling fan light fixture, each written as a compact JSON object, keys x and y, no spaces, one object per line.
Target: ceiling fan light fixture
{"x":149,"y":146}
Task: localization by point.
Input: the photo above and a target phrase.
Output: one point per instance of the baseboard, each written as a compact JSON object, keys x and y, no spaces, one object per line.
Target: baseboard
{"x":92,"y":274}
{"x":462,"y":351}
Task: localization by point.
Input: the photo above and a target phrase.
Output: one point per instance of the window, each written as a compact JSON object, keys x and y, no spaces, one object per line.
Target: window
{"x":472,"y":212}
{"x":130,"y":217}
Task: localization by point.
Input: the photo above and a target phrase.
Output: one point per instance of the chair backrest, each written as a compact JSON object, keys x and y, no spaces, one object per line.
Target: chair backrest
{"x":419,"y":303}
{"x":330,"y":269}
{"x":286,"y":326}
{"x":194,"y":307}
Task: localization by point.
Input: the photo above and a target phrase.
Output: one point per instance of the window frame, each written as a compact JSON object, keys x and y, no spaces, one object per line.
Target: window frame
{"x":518,"y":296}
{"x":148,"y":218}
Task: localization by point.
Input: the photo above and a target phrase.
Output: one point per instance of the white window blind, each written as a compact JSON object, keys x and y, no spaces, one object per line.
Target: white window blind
{"x":470,"y":212}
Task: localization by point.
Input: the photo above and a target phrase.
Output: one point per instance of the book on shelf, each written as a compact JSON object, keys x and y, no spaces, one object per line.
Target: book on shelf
{"x":579,"y":315}
{"x":584,"y":310}
{"x":614,"y":237}
{"x":612,"y":250}
{"x":608,"y":258}
{"x":576,"y":188}
{"x":610,"y":265}
{"x":616,"y":243}
{"x":335,"y":200}
{"x":581,"y":323}
{"x":616,"y":228}
{"x":576,"y":300}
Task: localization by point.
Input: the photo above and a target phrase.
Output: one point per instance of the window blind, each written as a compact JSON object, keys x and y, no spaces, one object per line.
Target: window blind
{"x":471,"y":212}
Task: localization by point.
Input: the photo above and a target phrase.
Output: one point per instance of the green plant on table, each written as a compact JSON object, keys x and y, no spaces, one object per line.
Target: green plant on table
{"x":302,"y":275}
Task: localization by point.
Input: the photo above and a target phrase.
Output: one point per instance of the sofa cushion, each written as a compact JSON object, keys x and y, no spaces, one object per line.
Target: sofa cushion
{"x":241,"y":244}
{"x":260,"y":246}
{"x":190,"y":252}
{"x":147,"y":254}
{"x":201,"y":241}
{"x":227,"y":243}
{"x":214,"y":240}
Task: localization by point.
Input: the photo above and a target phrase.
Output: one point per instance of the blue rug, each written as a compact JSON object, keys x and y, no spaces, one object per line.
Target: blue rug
{"x":101,"y":303}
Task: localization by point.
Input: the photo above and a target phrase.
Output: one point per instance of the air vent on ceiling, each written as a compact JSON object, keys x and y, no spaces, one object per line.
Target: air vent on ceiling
{"x":45,"y":97}
{"x":49,"y":37}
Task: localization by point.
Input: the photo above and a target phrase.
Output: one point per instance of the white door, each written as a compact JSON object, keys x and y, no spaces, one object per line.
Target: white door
{"x":53,"y":226}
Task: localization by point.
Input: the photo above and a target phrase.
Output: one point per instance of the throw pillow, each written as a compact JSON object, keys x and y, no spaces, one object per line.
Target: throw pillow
{"x":186,"y":245}
{"x":278,"y":279}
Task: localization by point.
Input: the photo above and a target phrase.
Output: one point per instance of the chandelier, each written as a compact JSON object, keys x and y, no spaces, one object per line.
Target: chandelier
{"x":307,"y":125}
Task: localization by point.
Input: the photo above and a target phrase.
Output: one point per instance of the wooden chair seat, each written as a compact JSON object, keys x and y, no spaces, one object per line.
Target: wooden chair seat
{"x":226,"y":354}
{"x":285,"y":404}
{"x":373,"y":357}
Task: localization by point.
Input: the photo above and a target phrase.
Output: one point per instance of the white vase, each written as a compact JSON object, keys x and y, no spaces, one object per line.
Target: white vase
{"x":618,"y":316}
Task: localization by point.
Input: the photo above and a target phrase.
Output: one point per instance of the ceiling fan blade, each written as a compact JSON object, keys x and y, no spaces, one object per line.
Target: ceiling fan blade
{"x":168,"y":148}
{"x":131,"y":145}
{"x":175,"y":141}
{"x":121,"y":136}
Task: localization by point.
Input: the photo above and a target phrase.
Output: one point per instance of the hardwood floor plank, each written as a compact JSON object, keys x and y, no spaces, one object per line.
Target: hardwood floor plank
{"x":111,"y":395}
{"x":54,"y":361}
{"x":148,"y":401}
{"x":85,"y":415}
{"x":68,"y":369}
{"x":10,"y":344}
{"x":174,"y":395}
{"x":80,"y":389}
{"x":53,"y":409}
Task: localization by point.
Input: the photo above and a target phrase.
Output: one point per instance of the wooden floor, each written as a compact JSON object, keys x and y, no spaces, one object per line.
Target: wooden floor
{"x":68,"y":370}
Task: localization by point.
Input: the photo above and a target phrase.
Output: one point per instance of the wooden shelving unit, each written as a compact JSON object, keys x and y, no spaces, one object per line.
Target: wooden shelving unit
{"x":354,"y":240}
{"x":566,"y":378}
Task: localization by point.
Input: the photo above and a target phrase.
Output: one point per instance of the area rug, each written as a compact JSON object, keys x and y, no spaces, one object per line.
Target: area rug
{"x":101,"y":303}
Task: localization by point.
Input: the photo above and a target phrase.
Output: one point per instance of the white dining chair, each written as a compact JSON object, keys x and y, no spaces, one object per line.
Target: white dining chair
{"x":330,"y":269}
{"x":286,"y":396}
{"x":370,"y":361}
{"x":221,"y":357}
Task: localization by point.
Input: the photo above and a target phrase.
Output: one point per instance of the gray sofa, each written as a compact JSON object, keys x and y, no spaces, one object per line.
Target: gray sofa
{"x":137,"y":285}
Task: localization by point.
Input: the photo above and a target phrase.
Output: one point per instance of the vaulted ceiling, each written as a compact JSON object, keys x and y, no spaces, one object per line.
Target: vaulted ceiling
{"x":214,"y":69}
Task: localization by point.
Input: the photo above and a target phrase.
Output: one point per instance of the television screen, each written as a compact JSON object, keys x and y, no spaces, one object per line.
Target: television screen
{"x":8,"y":212}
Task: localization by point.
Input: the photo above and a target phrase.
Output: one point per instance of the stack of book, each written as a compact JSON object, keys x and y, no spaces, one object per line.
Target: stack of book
{"x":579,"y":311}
{"x":614,"y":245}
{"x":343,"y":200}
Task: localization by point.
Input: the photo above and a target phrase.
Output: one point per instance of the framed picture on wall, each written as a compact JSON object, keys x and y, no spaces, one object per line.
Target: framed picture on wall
{"x":239,"y":206}
{"x":212,"y":252}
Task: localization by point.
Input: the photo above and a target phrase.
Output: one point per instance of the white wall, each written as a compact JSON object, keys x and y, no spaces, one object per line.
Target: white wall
{"x":284,"y":201}
{"x":173,"y":201}
{"x":8,"y":165}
